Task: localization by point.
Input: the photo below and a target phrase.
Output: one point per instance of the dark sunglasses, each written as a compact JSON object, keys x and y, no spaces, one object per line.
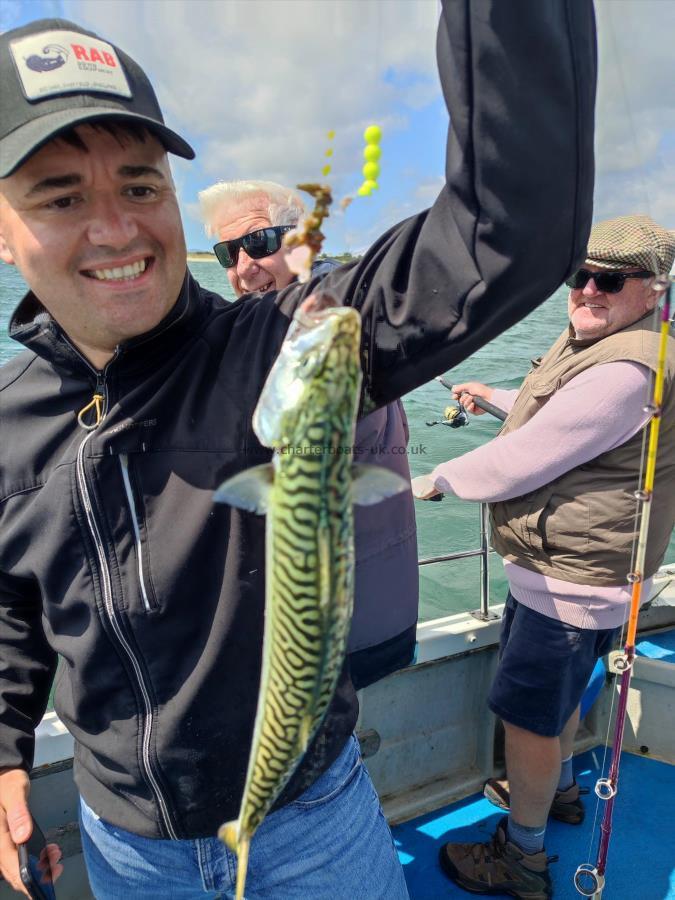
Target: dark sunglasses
{"x":257,"y":245}
{"x":606,"y":282}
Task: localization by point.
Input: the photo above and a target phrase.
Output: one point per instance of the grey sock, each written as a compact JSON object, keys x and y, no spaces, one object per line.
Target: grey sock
{"x":566,"y":774}
{"x":530,"y":840}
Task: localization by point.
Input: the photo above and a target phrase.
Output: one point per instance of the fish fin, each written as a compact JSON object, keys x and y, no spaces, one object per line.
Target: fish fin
{"x":372,"y":484}
{"x":229,"y":835}
{"x":305,"y":731}
{"x":249,"y":489}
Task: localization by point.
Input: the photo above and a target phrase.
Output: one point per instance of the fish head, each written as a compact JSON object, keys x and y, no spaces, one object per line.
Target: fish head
{"x":316,"y":377}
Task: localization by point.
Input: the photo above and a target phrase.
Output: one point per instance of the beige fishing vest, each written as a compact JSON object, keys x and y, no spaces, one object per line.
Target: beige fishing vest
{"x":581,"y":527}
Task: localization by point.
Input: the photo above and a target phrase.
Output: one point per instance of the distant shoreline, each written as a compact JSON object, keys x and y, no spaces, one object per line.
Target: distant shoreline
{"x":201,"y":257}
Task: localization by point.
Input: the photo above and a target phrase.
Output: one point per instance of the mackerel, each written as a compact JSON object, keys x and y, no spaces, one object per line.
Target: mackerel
{"x":307,"y":414}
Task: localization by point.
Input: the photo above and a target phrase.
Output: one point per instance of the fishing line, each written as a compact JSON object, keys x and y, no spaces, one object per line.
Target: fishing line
{"x":649,"y":393}
{"x":639,"y":525}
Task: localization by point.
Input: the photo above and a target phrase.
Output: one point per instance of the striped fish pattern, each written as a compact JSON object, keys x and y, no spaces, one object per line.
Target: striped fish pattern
{"x":307,"y":413}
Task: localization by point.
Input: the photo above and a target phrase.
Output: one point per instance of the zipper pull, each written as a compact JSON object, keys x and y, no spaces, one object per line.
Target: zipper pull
{"x":96,"y":403}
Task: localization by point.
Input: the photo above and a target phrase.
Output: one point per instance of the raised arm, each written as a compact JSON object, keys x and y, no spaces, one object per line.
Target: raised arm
{"x":514,"y":217}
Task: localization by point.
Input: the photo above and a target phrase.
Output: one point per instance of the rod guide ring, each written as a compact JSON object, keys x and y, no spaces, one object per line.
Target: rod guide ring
{"x":605,"y":789}
{"x":588,"y":881}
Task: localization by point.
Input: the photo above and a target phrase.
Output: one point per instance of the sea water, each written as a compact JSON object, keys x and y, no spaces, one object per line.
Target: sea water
{"x":445,"y":527}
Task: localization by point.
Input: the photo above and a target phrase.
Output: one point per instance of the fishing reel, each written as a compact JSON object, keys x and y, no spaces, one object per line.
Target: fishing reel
{"x":588,"y":881}
{"x":453,"y":417}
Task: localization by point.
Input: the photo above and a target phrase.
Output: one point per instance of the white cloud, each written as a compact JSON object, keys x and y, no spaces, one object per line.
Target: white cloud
{"x":427,"y":191}
{"x":636,"y":86}
{"x":261,"y":82}
{"x":639,"y":191}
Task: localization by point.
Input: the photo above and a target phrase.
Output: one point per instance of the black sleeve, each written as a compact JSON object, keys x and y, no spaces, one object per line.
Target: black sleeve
{"x":27,"y":667}
{"x":513,"y":219}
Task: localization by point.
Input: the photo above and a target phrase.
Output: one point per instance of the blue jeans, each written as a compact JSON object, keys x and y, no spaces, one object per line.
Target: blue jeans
{"x":332,"y":843}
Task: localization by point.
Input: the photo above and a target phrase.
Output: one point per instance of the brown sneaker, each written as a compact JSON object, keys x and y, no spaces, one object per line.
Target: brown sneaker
{"x":498,"y":867}
{"x":566,"y":807}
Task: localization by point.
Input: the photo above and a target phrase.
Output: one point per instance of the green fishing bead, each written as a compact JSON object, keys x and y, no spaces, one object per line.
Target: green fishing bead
{"x":325,"y":170}
{"x":371,"y":152}
{"x":370,"y":171}
{"x":372,"y":134}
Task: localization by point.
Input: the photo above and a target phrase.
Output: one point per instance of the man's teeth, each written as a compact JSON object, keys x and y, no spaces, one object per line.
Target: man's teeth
{"x":120,"y":273}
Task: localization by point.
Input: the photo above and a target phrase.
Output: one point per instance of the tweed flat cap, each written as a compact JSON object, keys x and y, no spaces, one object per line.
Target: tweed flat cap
{"x":631,"y":241}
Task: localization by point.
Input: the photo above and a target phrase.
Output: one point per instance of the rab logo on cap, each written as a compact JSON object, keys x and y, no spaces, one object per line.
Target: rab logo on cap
{"x":53,"y":57}
{"x":65,"y":62}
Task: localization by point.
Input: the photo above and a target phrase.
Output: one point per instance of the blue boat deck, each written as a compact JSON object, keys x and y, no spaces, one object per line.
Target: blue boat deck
{"x":641,"y":863}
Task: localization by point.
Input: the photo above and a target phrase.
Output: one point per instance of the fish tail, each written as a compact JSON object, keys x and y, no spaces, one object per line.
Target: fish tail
{"x":239,"y":843}
{"x":242,"y":866}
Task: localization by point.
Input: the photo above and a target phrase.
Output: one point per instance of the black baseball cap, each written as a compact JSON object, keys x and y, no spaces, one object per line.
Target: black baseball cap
{"x":55,"y":74}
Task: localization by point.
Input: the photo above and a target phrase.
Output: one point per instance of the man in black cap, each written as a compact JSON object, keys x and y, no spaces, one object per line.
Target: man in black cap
{"x":134,"y":400}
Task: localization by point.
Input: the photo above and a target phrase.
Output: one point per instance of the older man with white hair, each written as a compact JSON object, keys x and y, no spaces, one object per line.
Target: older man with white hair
{"x":250,"y":218}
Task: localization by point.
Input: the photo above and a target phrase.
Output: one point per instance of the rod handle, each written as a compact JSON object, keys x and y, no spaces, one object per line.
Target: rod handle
{"x":485,"y":405}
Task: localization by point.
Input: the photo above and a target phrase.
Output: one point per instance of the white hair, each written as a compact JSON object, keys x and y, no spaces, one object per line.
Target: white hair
{"x":284,"y":206}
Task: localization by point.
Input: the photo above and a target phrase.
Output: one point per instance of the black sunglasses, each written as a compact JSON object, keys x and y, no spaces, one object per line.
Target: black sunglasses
{"x":257,"y":245}
{"x":606,"y":282}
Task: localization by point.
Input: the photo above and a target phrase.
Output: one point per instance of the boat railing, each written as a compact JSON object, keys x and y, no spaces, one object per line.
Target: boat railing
{"x":483,"y":612}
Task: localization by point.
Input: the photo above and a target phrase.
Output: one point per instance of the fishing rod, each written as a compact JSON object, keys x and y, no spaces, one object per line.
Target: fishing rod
{"x":589,"y":879}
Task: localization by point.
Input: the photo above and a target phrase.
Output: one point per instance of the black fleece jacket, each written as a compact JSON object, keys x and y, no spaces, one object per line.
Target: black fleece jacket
{"x":112,"y":553}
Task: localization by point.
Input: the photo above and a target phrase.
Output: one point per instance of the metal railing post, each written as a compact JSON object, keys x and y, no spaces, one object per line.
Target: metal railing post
{"x":484,"y":613}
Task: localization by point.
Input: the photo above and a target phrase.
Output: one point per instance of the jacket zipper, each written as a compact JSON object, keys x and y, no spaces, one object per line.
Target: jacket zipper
{"x":106,"y":583}
{"x":124,"y":465}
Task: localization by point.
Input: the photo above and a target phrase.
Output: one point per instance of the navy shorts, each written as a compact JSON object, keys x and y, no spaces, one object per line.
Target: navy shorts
{"x":544,"y":667}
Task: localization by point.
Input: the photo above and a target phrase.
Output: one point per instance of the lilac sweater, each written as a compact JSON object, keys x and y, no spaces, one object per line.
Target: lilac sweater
{"x":599,"y":409}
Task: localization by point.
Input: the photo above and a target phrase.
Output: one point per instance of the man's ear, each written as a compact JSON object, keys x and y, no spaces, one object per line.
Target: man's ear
{"x":6,"y":254}
{"x":655,"y":292}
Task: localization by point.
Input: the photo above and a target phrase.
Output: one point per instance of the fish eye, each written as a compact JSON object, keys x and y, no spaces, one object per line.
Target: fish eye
{"x":308,"y":363}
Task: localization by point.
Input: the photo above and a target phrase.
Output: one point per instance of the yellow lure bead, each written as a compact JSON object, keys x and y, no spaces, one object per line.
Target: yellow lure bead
{"x":331,"y":135}
{"x":371,"y":152}
{"x":329,"y":152}
{"x":372,"y":134}
{"x":370,"y":171}
{"x":364,"y":191}
{"x":370,"y":184}
{"x":325,"y":170}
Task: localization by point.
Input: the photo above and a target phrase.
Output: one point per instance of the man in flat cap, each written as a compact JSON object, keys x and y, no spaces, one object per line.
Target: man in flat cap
{"x":560,"y":478}
{"x":133,"y":400}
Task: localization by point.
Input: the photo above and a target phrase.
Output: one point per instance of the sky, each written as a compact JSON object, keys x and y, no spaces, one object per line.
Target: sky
{"x":256,"y":85}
